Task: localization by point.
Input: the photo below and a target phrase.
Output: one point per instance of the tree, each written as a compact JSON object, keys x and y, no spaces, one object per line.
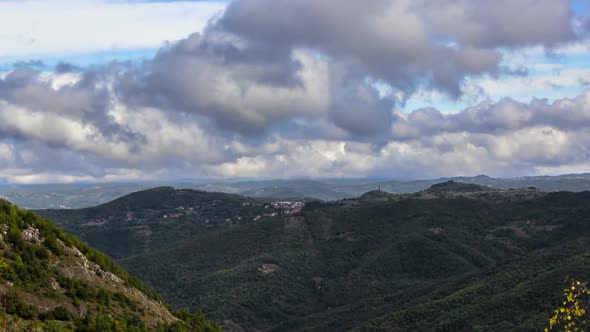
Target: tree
{"x":571,"y":315}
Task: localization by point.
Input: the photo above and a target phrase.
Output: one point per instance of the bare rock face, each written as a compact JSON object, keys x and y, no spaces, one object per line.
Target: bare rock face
{"x":31,"y":234}
{"x":80,"y":267}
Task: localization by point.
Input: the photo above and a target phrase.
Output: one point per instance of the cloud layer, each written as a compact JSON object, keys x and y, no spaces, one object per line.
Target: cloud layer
{"x":302,"y":88}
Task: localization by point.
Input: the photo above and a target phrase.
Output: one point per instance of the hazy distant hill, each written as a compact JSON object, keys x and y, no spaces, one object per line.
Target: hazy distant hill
{"x":455,"y":186}
{"x":455,"y":257}
{"x":60,"y":196}
{"x":337,"y":189}
{"x":81,"y":195}
{"x":52,"y":281}
{"x":157,"y":219}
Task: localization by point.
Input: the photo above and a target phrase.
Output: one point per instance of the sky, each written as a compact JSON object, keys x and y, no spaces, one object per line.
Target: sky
{"x":115,"y":90}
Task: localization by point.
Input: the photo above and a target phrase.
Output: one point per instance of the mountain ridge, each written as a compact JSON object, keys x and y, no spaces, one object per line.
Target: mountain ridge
{"x":363,"y":263}
{"x":79,"y":196}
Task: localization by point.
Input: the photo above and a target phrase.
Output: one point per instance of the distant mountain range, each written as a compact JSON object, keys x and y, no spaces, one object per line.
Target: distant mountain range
{"x":458,"y":256}
{"x":84,"y":195}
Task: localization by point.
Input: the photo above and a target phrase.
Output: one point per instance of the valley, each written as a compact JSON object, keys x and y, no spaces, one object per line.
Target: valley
{"x":457,"y":256}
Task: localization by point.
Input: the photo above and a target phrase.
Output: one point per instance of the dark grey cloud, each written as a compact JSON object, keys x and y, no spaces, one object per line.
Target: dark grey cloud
{"x":501,"y":23}
{"x":264,"y":62}
{"x":358,"y":109}
{"x":244,"y":73}
{"x":407,"y":43}
{"x":243,"y":90}
{"x":66,"y":67}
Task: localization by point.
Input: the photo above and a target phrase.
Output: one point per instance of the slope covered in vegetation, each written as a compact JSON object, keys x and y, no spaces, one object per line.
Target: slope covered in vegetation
{"x":52,"y":281}
{"x":438,"y":260}
{"x":155,"y":219}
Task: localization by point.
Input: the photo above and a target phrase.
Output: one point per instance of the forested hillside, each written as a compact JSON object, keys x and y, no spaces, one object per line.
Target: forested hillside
{"x":158,"y":219}
{"x":52,"y":281}
{"x":452,"y":258}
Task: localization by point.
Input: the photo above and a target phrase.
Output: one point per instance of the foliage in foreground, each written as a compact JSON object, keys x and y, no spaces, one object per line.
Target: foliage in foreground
{"x":571,"y":316}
